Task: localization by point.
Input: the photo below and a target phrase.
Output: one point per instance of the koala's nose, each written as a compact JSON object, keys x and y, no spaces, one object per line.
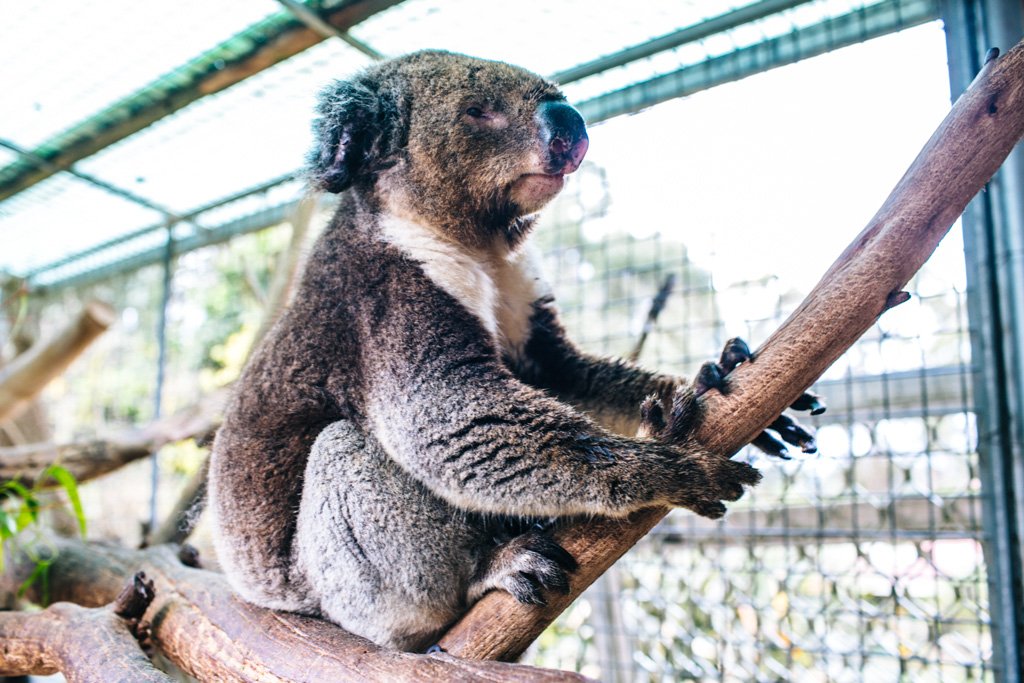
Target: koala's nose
{"x":568,"y":140}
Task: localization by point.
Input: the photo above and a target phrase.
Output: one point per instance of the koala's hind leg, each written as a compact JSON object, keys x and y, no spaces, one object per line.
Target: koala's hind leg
{"x":525,"y":566}
{"x":384,"y":557}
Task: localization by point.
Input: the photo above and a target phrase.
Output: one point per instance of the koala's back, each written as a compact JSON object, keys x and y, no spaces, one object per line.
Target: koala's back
{"x":312,"y":370}
{"x":281,"y":404}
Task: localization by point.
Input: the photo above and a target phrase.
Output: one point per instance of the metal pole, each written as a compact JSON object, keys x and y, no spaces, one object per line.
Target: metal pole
{"x":994,"y":250}
{"x":161,"y":362}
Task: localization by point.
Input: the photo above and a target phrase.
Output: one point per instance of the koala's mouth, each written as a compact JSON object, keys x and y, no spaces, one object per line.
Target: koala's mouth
{"x":531,"y":191}
{"x":542,"y":178}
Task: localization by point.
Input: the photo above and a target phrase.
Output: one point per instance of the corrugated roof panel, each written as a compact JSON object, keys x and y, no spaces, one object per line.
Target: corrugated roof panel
{"x":65,"y":60}
{"x":541,"y":35}
{"x":60,"y":216}
{"x":69,"y":61}
{"x":253,"y":131}
{"x":713,"y":46}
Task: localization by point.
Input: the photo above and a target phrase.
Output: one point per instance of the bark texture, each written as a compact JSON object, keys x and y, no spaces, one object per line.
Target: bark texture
{"x":85,"y":644}
{"x":198,"y":623}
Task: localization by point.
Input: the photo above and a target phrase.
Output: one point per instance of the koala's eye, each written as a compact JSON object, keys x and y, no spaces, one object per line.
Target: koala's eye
{"x":475,"y":112}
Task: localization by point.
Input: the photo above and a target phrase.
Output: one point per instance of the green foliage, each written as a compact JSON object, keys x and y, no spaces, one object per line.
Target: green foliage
{"x":20,"y":509}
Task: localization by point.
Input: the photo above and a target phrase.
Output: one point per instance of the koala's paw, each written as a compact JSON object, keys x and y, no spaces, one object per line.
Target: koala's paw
{"x":528,"y":565}
{"x":698,"y":480}
{"x":784,"y":430}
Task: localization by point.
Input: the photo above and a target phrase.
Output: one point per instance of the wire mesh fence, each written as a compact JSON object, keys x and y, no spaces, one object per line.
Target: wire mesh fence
{"x":862,"y":562}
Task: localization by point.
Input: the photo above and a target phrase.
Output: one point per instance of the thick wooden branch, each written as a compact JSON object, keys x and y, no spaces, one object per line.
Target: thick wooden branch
{"x":31,"y":371}
{"x":85,"y":644}
{"x":198,"y":623}
{"x":867,"y":279}
{"x":91,"y":459}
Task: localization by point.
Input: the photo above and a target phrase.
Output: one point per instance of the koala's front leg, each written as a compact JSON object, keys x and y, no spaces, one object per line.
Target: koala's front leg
{"x":607,"y":389}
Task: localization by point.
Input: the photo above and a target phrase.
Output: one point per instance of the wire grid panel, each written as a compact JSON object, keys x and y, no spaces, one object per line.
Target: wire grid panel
{"x":862,"y":562}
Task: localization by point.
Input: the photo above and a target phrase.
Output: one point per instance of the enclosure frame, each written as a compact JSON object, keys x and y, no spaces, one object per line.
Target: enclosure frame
{"x":993,"y":227}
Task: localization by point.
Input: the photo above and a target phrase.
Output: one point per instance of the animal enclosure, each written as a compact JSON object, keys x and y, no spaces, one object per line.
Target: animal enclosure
{"x":880,"y":558}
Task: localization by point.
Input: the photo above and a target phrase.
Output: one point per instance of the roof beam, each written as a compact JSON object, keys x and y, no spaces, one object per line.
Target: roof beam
{"x":93,"y":180}
{"x":688,"y":34}
{"x":857,"y":26}
{"x":312,"y":19}
{"x":269,"y":42}
{"x":268,"y":217}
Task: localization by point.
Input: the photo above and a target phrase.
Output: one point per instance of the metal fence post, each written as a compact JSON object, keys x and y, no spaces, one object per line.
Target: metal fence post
{"x":994,"y":249}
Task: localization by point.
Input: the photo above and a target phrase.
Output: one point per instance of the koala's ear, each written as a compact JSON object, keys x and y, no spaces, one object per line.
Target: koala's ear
{"x":348,"y":135}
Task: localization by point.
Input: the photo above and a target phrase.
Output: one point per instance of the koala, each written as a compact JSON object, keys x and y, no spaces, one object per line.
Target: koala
{"x":398,"y":439}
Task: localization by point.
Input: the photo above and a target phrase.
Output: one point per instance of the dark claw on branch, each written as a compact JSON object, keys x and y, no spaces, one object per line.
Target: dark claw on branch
{"x":793,"y":433}
{"x":708,"y":377}
{"x":770,"y":444}
{"x":809,"y":401}
{"x":735,"y":352}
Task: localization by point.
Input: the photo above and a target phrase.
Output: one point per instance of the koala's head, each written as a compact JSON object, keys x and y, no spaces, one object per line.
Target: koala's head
{"x":469,"y":146}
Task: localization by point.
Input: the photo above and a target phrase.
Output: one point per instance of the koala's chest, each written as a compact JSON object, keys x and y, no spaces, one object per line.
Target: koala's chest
{"x":498,"y":291}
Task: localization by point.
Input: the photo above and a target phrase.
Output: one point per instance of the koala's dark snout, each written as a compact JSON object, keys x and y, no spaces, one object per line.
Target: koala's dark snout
{"x":567,"y":136}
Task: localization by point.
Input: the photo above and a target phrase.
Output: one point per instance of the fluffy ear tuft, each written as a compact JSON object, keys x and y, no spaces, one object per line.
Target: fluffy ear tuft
{"x":347,"y":135}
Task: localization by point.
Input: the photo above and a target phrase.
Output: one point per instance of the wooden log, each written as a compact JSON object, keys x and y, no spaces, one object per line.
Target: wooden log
{"x":198,"y":623}
{"x":27,"y":374}
{"x":91,"y":459}
{"x":85,"y":644}
{"x":963,"y":153}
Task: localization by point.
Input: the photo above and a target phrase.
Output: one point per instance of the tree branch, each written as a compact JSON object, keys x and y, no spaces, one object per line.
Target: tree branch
{"x":198,"y":623}
{"x":867,"y":279}
{"x":88,"y":460}
{"x":85,"y":644}
{"x":31,"y":371}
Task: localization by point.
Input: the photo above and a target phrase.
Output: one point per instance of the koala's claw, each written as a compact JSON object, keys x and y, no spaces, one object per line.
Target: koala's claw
{"x":712,"y":375}
{"x":725,"y":481}
{"x":712,"y":509}
{"x":770,"y":444}
{"x":794,"y":433}
{"x":735,"y":352}
{"x":811,"y":402}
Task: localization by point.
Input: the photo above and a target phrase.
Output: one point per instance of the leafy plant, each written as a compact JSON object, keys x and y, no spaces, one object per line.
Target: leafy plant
{"x":20,"y":508}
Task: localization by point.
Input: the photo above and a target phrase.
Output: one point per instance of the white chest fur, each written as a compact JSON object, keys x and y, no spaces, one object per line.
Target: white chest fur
{"x":499,"y":289}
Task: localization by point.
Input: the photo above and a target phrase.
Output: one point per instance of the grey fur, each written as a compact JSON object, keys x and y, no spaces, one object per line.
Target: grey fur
{"x":389,"y":442}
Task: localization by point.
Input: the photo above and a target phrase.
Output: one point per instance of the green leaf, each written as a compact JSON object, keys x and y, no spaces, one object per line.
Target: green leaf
{"x":67,"y":481}
{"x":27,"y":513}
{"x":41,"y":572}
{"x":8,"y":525}
{"x":19,"y":490}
